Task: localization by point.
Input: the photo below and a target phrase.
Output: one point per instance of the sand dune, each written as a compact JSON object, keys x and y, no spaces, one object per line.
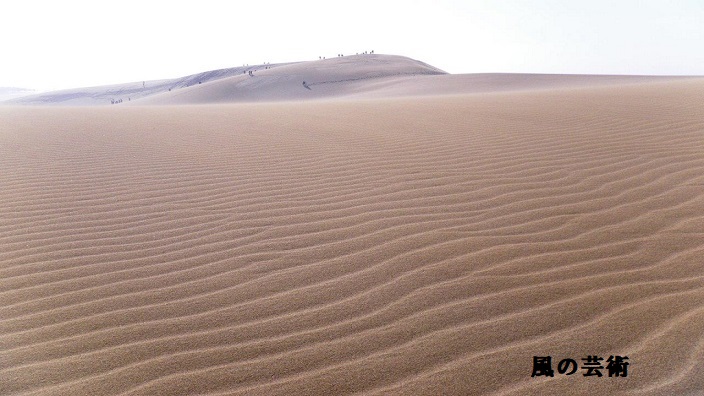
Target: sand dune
{"x":271,"y":82}
{"x":107,"y":95}
{"x":409,"y":245}
{"x":351,"y":77}
{"x":324,"y":79}
{"x":373,"y":76}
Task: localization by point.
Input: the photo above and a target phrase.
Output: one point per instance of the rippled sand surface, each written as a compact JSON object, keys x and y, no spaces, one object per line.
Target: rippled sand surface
{"x":415,"y":246}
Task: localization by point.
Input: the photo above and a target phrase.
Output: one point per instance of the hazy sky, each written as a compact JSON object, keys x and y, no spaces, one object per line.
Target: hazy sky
{"x":63,"y":44}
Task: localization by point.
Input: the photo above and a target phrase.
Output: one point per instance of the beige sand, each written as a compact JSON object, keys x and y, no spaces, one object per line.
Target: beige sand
{"x":417,"y":246}
{"x":371,"y":76}
{"x":349,"y":77}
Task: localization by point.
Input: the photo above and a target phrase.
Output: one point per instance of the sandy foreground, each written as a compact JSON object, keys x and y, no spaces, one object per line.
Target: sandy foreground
{"x":412,"y":246}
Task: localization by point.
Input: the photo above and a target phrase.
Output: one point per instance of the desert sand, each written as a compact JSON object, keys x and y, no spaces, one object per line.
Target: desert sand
{"x":415,"y":234}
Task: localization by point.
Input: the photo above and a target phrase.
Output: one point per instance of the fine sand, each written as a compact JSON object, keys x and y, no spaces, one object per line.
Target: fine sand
{"x":342,"y":78}
{"x":412,"y":245}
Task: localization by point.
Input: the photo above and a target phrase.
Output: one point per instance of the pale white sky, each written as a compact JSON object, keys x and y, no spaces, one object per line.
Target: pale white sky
{"x":63,"y":44}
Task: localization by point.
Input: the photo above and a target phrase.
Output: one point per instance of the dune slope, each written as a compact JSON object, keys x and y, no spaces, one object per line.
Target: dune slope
{"x":367,"y":76}
{"x":322,"y":79}
{"x":127,"y":92}
{"x":374,"y":77}
{"x":416,"y":246}
{"x":271,"y":82}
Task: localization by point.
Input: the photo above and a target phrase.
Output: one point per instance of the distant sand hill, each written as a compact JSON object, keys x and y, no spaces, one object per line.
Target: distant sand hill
{"x":283,"y":81}
{"x":357,"y":76}
{"x":106,"y":95}
{"x":387,"y":230}
{"x":329,"y":78}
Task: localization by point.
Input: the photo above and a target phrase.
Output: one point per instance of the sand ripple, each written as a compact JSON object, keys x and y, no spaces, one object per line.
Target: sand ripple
{"x":392,"y":246}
